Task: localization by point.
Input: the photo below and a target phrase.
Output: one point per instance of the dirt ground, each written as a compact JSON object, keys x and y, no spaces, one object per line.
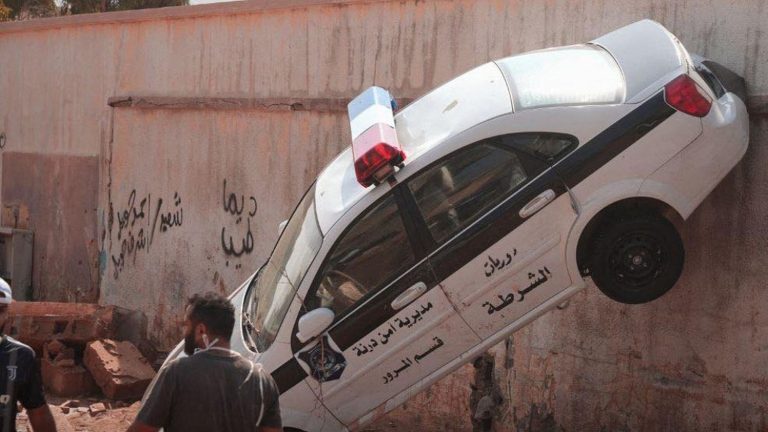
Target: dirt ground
{"x":444,"y":407}
{"x":118,"y":417}
{"x":85,"y":415}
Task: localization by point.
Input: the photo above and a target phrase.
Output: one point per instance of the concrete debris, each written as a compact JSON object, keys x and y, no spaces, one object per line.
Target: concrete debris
{"x":118,"y":368}
{"x":97,"y":408}
{"x":73,"y":324}
{"x":36,"y":323}
{"x":72,"y":403}
{"x":61,"y":375}
{"x":55,"y":348}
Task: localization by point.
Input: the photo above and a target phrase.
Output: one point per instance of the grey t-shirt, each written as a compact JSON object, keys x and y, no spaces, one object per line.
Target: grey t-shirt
{"x":212,"y":391}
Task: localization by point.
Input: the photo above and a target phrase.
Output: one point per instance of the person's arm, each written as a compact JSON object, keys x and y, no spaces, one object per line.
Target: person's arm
{"x":41,"y":419}
{"x":138,"y":426}
{"x":31,"y":395}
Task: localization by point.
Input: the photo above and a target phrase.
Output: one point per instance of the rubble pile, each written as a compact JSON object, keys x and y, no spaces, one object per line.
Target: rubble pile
{"x":62,"y":376}
{"x":86,"y":415}
{"x":85,"y":348}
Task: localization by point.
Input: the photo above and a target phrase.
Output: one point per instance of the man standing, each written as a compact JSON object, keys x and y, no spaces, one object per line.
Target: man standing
{"x":214,"y":388}
{"x":20,"y":378}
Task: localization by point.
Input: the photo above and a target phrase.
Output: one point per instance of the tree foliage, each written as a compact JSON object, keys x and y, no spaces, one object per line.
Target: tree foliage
{"x":28,"y":9}
{"x":90,"y":6}
{"x":5,"y":12}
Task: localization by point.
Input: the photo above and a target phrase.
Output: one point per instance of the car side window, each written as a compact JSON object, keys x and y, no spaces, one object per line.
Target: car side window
{"x":546,"y":146}
{"x":457,"y":191}
{"x":369,"y":255}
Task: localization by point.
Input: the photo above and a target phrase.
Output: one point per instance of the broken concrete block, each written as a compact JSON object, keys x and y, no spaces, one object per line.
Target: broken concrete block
{"x":66,"y":381}
{"x":65,"y":357}
{"x":61,"y":376}
{"x":36,"y":323}
{"x":55,"y":348}
{"x":72,"y":403}
{"x":118,"y":368}
{"x":97,"y":408}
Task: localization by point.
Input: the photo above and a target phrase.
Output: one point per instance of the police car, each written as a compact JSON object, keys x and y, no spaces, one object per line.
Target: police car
{"x":479,"y":207}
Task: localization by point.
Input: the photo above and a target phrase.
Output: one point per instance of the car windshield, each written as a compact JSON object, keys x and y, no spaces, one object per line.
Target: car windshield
{"x":280,"y":277}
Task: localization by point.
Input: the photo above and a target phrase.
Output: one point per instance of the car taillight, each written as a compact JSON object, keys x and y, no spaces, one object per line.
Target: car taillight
{"x":684,"y":95}
{"x":375,"y":147}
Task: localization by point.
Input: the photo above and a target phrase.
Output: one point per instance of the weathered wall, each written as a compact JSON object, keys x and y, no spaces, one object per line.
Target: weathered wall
{"x":690,"y":361}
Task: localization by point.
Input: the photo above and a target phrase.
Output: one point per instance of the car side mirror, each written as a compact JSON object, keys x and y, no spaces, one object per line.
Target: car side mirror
{"x":281,"y":227}
{"x":313,"y":323}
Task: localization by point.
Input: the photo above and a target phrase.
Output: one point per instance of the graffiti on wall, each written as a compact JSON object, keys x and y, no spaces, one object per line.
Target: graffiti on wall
{"x":237,"y":240}
{"x":2,"y":140}
{"x":140,"y":222}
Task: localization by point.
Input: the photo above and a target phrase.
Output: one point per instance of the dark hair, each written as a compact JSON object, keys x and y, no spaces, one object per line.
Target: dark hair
{"x":213,"y":310}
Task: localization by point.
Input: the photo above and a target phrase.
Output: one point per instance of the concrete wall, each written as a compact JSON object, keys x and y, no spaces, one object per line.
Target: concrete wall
{"x":128,"y":202}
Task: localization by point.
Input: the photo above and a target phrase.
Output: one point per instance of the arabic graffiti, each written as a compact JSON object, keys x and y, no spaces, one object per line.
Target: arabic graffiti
{"x":238,"y":207}
{"x":138,"y":222}
{"x":534,"y":281}
{"x":494,"y":264}
{"x":394,"y":325}
{"x":407,"y":362}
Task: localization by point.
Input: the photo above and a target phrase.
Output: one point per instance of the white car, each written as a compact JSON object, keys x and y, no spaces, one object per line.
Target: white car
{"x":501,"y":191}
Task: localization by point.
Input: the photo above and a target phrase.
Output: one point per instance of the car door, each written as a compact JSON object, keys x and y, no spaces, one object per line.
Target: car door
{"x":499,"y":216}
{"x":394,"y":325}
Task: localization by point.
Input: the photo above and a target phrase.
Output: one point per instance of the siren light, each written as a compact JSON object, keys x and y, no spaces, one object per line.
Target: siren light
{"x":375,"y":148}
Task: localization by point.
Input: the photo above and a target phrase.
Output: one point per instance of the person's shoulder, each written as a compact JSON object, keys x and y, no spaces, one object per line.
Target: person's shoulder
{"x":257,"y":369}
{"x":10,"y":345}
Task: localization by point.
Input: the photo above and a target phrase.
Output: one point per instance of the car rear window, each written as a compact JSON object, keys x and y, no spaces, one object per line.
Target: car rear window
{"x":459,"y":190}
{"x":575,"y":75}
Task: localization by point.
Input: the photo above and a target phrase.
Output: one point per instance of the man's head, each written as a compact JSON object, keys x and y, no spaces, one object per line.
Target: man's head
{"x":6,"y":296}
{"x":208,"y":317}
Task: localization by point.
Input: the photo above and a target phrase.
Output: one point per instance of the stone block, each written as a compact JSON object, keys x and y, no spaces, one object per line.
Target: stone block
{"x":36,"y":323}
{"x":118,"y":368}
{"x":97,"y":408}
{"x":61,"y":375}
{"x":66,"y":381}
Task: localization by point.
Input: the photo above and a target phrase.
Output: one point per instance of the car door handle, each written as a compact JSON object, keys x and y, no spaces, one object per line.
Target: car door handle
{"x":537,"y":203}
{"x":409,"y":295}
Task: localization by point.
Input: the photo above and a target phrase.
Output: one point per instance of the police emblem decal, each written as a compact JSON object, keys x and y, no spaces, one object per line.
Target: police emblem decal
{"x":325,"y":363}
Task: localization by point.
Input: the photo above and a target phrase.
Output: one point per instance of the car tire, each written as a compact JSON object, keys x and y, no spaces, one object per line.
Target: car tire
{"x":636,"y":258}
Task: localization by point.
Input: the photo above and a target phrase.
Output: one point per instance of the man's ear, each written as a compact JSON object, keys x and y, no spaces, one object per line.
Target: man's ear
{"x":200,"y":330}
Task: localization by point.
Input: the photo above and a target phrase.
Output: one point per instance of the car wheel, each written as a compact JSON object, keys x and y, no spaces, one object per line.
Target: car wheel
{"x":636,"y":259}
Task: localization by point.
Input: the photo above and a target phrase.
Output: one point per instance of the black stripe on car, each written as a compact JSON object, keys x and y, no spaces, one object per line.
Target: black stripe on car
{"x":288,"y":375}
{"x":570,"y":171}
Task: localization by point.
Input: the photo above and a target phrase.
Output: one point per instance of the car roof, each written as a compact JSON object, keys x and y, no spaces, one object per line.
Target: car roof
{"x":467,"y":100}
{"x":492,"y":90}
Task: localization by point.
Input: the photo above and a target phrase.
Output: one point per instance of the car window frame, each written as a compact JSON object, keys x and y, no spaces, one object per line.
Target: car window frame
{"x":534,"y":166}
{"x":417,"y":247}
{"x":508,"y":141}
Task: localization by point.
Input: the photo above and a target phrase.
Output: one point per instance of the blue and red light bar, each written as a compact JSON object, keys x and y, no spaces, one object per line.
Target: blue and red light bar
{"x":374,"y":141}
